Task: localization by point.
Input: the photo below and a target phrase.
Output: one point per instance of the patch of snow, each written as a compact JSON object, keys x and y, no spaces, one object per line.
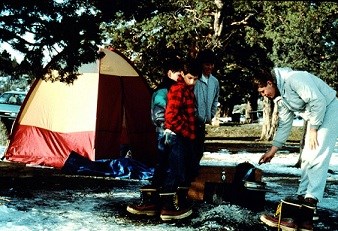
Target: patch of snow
{"x":92,"y":210}
{"x":283,"y":163}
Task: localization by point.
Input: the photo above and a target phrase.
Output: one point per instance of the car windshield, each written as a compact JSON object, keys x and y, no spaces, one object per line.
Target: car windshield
{"x":12,"y":98}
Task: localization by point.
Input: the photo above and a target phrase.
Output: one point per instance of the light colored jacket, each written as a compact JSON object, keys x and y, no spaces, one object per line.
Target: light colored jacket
{"x":206,"y":95}
{"x":303,"y":93}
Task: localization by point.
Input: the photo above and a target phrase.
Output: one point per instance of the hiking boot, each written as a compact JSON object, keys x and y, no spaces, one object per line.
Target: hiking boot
{"x":289,"y":209}
{"x":286,"y":224}
{"x":307,"y":214}
{"x":174,"y":207}
{"x":149,"y":204}
{"x":286,"y":216}
{"x":182,"y":196}
{"x":315,"y":215}
{"x":299,"y":199}
{"x":311,"y":202}
{"x":143,"y":209}
{"x":305,"y":226}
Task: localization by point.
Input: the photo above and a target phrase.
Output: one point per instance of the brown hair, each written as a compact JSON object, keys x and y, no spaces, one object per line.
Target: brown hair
{"x":192,"y":67}
{"x":206,"y":56}
{"x":261,"y":77}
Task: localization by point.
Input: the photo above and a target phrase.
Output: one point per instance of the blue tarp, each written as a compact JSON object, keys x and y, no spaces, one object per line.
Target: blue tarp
{"x":121,"y":168}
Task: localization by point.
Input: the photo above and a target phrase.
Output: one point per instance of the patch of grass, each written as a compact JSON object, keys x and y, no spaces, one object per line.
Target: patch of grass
{"x":240,"y":132}
{"x":245,"y":131}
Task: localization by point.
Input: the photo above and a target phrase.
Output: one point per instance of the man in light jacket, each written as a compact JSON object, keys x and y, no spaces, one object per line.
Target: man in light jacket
{"x":316,"y":102}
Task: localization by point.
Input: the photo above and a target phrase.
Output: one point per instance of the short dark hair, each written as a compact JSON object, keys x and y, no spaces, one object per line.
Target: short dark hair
{"x":206,"y":56}
{"x":192,"y":67}
{"x":174,"y":64}
{"x":261,"y":77}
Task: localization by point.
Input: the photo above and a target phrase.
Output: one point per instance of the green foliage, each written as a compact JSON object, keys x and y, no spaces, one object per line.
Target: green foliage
{"x":51,"y":35}
{"x":171,"y":30}
{"x":183,"y":28}
{"x":299,"y":34}
{"x":7,"y":65}
{"x":305,"y":36}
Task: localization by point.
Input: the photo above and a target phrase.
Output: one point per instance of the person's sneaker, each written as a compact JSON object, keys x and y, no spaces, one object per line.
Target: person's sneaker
{"x":143,"y":209}
{"x":286,"y":224}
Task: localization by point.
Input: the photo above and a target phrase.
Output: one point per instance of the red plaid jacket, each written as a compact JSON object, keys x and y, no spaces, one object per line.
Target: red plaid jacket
{"x":180,"y":110}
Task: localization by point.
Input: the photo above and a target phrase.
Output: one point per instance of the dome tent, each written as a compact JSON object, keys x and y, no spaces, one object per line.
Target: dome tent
{"x":104,"y":109}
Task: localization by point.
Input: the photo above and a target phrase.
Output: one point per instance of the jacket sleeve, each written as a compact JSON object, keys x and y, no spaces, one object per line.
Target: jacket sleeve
{"x":215,"y":100}
{"x":158,"y":105}
{"x":315,"y":101}
{"x":284,"y":124}
{"x":173,"y":116}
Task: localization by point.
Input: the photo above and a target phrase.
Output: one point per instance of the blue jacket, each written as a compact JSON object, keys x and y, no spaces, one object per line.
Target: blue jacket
{"x":206,"y":94}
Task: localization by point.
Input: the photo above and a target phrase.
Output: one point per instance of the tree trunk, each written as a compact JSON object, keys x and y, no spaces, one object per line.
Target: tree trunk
{"x":266,"y":118}
{"x":274,"y":121}
{"x":219,"y":17}
{"x":248,"y":112}
{"x":270,"y":119}
{"x":251,"y":109}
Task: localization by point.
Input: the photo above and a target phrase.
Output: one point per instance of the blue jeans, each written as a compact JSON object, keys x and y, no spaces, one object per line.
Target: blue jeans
{"x":162,"y":165}
{"x":179,"y":167}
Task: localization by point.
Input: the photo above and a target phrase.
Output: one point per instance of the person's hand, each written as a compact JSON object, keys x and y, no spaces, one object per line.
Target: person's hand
{"x":313,"y":142}
{"x":266,"y":157}
{"x":168,"y":136}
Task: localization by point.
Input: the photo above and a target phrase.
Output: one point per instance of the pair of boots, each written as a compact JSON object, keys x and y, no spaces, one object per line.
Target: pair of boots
{"x":292,"y":215}
{"x":170,"y":205}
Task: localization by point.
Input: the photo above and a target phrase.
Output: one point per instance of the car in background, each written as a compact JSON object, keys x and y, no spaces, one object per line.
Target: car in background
{"x":10,"y":103}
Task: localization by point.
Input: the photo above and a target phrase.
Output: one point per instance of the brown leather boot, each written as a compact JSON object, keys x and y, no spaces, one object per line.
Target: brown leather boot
{"x":286,"y":216}
{"x":174,"y":206}
{"x":149,"y":204}
{"x":307,"y":213}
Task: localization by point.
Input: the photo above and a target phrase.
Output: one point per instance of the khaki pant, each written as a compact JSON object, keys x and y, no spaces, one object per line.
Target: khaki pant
{"x":315,"y":163}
